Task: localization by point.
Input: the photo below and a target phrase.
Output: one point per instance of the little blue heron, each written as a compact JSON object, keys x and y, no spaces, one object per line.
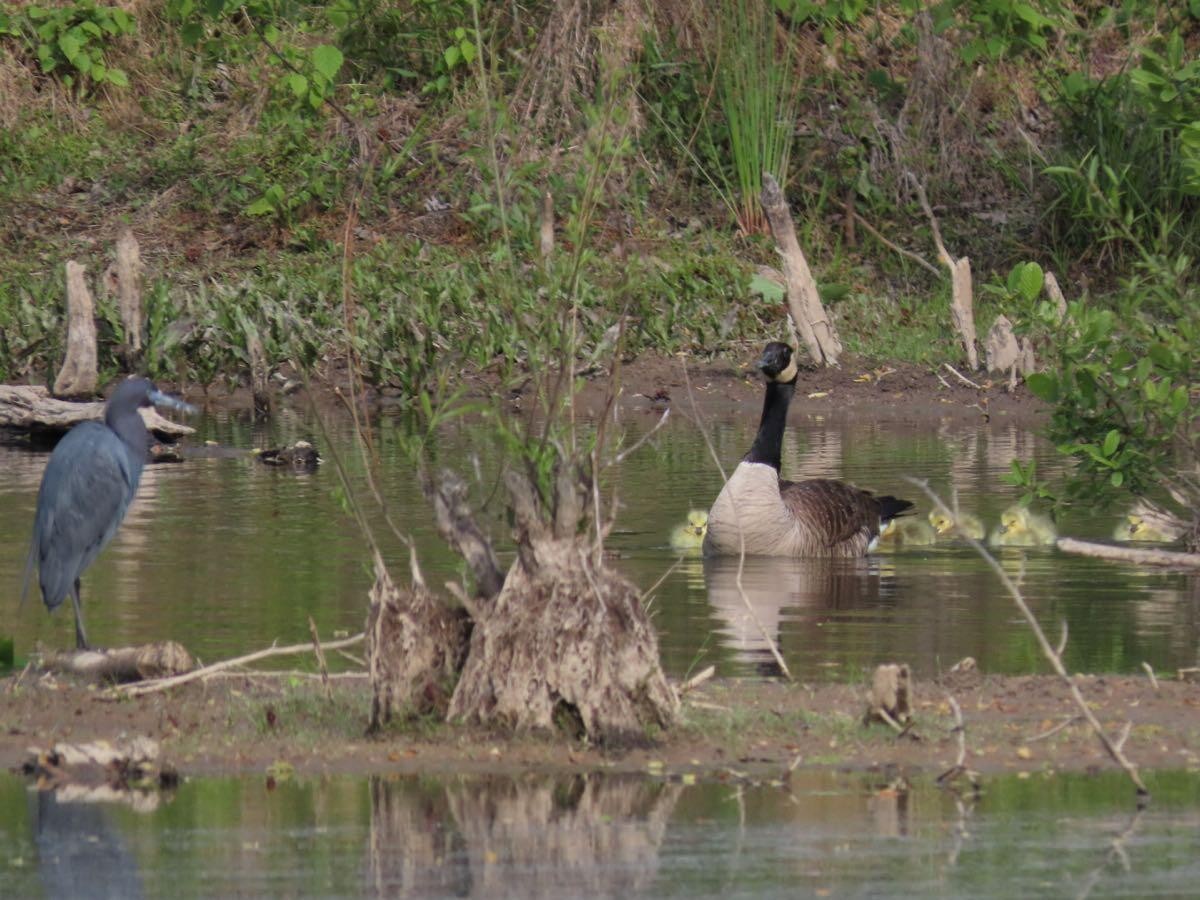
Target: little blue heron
{"x":86,"y":489}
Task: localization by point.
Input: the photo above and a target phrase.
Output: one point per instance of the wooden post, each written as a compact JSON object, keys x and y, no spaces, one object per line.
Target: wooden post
{"x":129,"y":295}
{"x":804,"y":301}
{"x":78,"y":376}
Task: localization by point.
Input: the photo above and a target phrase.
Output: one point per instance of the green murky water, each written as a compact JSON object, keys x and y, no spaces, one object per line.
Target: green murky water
{"x":227,"y":555}
{"x":595,"y":835}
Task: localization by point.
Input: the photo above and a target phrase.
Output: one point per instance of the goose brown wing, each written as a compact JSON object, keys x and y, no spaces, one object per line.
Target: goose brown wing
{"x":832,"y":510}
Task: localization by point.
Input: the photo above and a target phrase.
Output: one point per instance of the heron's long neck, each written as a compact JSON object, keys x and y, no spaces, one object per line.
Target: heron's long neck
{"x":133,"y":434}
{"x":768,"y":444}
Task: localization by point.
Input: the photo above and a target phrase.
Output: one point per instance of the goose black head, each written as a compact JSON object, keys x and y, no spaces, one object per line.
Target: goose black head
{"x":777,"y":363}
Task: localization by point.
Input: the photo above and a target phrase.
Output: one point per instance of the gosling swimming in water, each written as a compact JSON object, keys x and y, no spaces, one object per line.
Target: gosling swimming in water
{"x":689,"y":538}
{"x":1022,"y":527}
{"x":946,"y":524}
{"x":905,"y":533}
{"x":1136,"y":527}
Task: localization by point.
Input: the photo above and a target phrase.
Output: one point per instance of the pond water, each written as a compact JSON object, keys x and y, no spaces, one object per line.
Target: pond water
{"x":228,"y":555}
{"x":820,"y":834}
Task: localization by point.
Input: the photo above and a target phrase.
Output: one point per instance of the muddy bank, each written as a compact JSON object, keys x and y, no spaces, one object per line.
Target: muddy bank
{"x":719,"y":386}
{"x":247,"y":724}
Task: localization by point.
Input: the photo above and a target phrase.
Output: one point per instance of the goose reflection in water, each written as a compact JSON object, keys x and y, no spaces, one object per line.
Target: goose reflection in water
{"x":781,"y":587}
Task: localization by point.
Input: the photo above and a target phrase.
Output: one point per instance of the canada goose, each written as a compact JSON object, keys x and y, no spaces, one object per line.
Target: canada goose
{"x":905,"y":532}
{"x":1136,"y":527}
{"x":690,"y":537}
{"x":1021,"y":527}
{"x":962,"y":525}
{"x":818,"y":517}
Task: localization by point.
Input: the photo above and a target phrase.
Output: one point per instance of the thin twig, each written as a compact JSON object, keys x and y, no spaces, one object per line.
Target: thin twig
{"x":163,"y":684}
{"x":321,"y":666}
{"x":357,"y":660}
{"x":620,"y":457}
{"x":960,"y":732}
{"x":1113,"y":749}
{"x":1150,"y":672}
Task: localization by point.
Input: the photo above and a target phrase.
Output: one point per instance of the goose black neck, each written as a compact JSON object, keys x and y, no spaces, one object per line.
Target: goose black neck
{"x":768,"y":444}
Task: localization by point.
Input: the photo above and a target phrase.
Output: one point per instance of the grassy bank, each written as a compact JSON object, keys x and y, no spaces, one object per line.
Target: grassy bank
{"x":260,"y":151}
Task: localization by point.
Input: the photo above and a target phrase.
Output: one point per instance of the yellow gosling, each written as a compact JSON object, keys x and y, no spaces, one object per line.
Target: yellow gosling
{"x":1021,"y":527}
{"x":690,"y":537}
{"x":1136,"y":527}
{"x":945,"y":524}
{"x":904,"y":532}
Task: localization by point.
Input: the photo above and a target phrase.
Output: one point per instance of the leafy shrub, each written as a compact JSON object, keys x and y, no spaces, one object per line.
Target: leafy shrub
{"x":71,"y":41}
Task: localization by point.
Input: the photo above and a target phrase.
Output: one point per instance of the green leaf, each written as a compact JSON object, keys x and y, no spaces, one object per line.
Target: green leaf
{"x":260,"y":207}
{"x":1043,"y":385}
{"x":117,"y":77}
{"x":1117,"y":478}
{"x":1029,"y":280}
{"x":298,"y":83}
{"x":327,"y":60}
{"x":191,"y":33}
{"x":69,"y":45}
{"x":1111,"y":441}
{"x":468,"y":51}
{"x":451,"y":54}
{"x":767,"y":289}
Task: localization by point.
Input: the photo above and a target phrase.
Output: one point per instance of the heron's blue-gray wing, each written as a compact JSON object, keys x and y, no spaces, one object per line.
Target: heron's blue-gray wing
{"x":85,"y":492}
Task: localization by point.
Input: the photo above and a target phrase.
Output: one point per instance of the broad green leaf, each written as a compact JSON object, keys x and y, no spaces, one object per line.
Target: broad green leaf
{"x":260,"y":207}
{"x":69,"y":45}
{"x":1117,"y":478}
{"x":298,"y":83}
{"x":327,"y":60}
{"x":1111,"y":441}
{"x":451,"y":55}
{"x":1029,"y":281}
{"x":117,"y":77}
{"x":468,"y":51}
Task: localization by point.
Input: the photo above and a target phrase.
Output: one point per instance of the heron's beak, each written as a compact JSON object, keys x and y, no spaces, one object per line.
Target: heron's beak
{"x":158,"y":398}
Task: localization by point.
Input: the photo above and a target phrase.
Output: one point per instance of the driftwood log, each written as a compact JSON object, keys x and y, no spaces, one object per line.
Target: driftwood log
{"x":31,"y":408}
{"x":123,"y":664}
{"x":804,"y":300}
{"x":78,"y":376}
{"x":1142,"y":557}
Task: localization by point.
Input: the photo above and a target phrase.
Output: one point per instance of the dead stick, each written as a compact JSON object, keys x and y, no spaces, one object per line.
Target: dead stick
{"x":698,"y":679}
{"x":321,"y":666}
{"x":1112,"y":748}
{"x":961,"y":377}
{"x":164,"y":684}
{"x":357,"y":660}
{"x":1068,"y":721}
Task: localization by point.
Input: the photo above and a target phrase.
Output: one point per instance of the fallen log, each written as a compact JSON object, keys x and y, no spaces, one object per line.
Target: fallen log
{"x":122,"y":664}
{"x":31,"y":408}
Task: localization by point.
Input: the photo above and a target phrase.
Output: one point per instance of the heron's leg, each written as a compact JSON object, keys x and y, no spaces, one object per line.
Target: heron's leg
{"x":81,"y":641}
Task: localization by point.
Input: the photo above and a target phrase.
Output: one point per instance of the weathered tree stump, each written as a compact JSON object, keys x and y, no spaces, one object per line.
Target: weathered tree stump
{"x":804,"y":300}
{"x":415,"y":647}
{"x":566,"y":642}
{"x":129,"y":295}
{"x":78,"y":377}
